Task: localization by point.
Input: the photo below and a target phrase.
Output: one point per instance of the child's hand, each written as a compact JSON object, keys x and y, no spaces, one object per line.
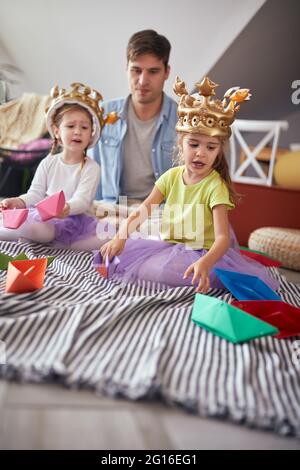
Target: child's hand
{"x":201,"y":275}
{"x":65,"y":212}
{"x":12,"y":203}
{"x":112,"y":248}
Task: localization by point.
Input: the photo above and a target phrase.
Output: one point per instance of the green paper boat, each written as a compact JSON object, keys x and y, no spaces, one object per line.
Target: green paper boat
{"x":231,"y":323}
{"x":5,"y":259}
{"x":245,"y":248}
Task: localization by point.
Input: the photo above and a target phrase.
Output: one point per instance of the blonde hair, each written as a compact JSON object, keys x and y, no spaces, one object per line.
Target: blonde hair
{"x":220,"y":165}
{"x":57,"y":119}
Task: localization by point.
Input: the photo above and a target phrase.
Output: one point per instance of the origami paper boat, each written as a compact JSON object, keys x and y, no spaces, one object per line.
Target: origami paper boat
{"x":5,"y":259}
{"x":245,"y":248}
{"x":105,"y":268}
{"x":13,"y":218}
{"x":283,"y":316}
{"x":51,"y":206}
{"x":231,"y":323}
{"x":25,"y":275}
{"x":245,"y":286}
{"x":260,"y":257}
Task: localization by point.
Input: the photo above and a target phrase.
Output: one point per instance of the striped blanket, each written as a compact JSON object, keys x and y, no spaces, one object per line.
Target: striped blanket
{"x":139,"y":342}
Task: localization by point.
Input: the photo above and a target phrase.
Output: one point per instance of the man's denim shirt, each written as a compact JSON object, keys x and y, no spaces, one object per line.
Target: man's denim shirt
{"x":108,"y":151}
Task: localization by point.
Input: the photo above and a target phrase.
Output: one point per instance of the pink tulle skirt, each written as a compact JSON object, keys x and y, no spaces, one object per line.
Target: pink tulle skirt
{"x":156,"y":260}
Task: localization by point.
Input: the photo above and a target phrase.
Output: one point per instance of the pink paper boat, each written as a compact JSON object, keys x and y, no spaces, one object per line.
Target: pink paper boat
{"x":51,"y":206}
{"x":13,"y":218}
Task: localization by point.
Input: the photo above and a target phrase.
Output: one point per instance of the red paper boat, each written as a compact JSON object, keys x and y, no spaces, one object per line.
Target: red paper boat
{"x":13,"y":218}
{"x":105,"y":268}
{"x":283,"y":316}
{"x":102,"y":270}
{"x":25,"y":275}
{"x":51,"y":206}
{"x":262,"y":259}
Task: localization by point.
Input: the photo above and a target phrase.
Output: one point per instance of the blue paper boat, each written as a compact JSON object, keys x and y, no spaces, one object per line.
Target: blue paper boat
{"x":245,"y":286}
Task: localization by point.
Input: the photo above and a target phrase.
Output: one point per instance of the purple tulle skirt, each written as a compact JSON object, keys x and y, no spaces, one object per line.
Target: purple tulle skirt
{"x":70,"y":229}
{"x":159,"y":261}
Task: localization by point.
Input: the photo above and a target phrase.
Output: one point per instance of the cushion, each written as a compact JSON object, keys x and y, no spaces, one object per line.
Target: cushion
{"x":287,"y":170}
{"x":282,"y":244}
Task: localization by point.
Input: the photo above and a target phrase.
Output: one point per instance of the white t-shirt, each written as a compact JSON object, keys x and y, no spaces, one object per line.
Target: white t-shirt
{"x":53,"y":175}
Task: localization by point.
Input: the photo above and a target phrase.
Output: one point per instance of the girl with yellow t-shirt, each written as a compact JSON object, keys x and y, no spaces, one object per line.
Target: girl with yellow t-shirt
{"x":195,"y":234}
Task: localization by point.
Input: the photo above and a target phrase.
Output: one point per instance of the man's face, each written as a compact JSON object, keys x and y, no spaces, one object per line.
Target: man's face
{"x":146,"y":77}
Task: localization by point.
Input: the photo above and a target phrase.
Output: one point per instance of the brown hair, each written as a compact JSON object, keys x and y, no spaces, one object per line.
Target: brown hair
{"x":58,"y":116}
{"x":220,"y":165}
{"x":149,"y":41}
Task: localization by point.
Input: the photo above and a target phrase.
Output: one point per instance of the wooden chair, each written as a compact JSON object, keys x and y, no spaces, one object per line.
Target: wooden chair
{"x":237,"y":168}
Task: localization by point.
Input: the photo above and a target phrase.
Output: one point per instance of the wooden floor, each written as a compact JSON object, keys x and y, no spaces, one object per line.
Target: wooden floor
{"x":34,"y":416}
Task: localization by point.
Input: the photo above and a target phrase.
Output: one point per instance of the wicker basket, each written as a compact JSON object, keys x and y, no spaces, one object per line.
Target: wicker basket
{"x":282,"y":244}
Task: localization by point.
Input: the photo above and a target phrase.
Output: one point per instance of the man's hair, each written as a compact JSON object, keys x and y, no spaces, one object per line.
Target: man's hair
{"x":149,"y":41}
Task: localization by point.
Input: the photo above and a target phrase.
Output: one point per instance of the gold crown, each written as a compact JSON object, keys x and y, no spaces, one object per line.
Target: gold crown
{"x":203,"y":114}
{"x":86,"y":97}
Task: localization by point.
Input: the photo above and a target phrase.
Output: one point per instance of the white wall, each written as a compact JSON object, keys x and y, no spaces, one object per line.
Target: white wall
{"x":14,"y":89}
{"x":62,"y":41}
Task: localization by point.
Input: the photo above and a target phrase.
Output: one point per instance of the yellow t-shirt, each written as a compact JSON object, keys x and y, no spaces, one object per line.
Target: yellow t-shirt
{"x":187,"y":215}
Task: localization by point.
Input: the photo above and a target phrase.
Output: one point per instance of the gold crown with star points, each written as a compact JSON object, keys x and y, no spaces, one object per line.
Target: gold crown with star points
{"x":86,"y":97}
{"x":200,"y":113}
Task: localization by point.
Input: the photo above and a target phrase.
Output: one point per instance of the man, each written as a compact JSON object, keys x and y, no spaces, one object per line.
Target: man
{"x":137,"y":149}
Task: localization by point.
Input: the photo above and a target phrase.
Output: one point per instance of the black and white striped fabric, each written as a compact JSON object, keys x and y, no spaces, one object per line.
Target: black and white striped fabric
{"x":138,"y":342}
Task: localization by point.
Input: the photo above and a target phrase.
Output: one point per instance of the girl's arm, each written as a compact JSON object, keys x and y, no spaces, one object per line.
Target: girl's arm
{"x":204,"y":265}
{"x":132,"y":223}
